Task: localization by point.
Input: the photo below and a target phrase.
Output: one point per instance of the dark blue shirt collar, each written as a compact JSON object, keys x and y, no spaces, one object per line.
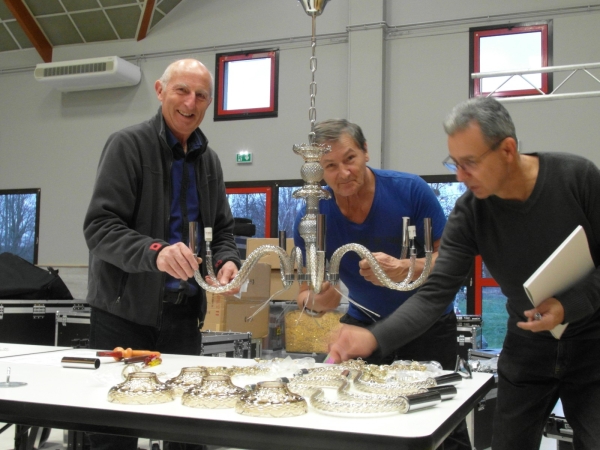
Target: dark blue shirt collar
{"x":194,"y":141}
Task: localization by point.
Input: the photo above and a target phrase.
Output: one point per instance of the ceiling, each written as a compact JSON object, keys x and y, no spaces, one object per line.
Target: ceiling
{"x":46,"y":24}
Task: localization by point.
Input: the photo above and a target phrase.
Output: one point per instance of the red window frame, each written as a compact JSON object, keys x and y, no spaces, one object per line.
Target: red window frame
{"x":257,"y":190}
{"x":221,"y":82}
{"x":480,"y":282}
{"x":478,"y":33}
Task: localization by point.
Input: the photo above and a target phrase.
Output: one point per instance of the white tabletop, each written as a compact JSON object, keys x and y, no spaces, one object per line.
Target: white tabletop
{"x":77,"y":399}
{"x":9,"y":350}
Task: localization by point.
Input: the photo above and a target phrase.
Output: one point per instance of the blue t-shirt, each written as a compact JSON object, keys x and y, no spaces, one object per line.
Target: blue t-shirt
{"x":397,"y":195}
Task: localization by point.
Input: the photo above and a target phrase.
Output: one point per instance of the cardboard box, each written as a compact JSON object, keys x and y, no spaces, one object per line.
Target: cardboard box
{"x":258,"y":287}
{"x":277,"y":285}
{"x":229,"y":313}
{"x":215,"y":313}
{"x":270,"y":258}
{"x":238,"y":313}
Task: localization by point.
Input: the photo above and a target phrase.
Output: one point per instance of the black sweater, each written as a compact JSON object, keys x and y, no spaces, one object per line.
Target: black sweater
{"x":514,"y":238}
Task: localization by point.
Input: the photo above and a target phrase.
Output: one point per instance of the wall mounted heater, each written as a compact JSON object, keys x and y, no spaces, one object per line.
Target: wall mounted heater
{"x":87,"y":74}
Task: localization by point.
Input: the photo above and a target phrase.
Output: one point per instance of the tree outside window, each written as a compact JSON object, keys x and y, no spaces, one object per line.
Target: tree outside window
{"x":19,"y":214}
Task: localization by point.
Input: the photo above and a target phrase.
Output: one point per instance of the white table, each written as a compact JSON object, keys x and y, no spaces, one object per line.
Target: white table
{"x":11,"y":350}
{"x":75,"y":399}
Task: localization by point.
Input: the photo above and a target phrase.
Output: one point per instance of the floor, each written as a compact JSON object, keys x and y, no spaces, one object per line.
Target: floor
{"x":56,"y":439}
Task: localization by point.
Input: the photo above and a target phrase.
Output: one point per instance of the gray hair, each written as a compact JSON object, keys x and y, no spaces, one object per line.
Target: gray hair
{"x":493,"y":119}
{"x":166,"y":76}
{"x":332,"y":130}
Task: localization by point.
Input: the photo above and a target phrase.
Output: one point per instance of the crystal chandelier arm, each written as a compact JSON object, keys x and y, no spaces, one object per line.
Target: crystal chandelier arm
{"x":287,"y":270}
{"x":364,"y":253}
{"x":319,"y":401}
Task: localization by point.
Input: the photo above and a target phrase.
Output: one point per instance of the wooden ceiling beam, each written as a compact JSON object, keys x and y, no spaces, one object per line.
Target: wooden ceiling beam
{"x":146,"y":16}
{"x":31,"y":28}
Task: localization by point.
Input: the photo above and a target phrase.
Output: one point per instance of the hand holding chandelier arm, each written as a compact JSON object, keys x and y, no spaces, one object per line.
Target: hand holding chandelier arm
{"x":178,"y":261}
{"x":396,"y":269}
{"x":225,"y":275}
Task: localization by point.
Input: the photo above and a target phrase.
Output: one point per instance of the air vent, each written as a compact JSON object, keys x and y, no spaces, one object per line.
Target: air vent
{"x":86,"y":74}
{"x":75,"y":69}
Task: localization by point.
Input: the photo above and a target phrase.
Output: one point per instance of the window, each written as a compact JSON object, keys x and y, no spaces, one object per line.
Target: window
{"x":20,"y":222}
{"x":448,"y":190}
{"x":246,"y":84}
{"x":490,"y":303}
{"x":511,"y":48}
{"x":280,"y":207}
{"x":481,"y":295}
{"x":288,"y":207}
{"x":252,"y":203}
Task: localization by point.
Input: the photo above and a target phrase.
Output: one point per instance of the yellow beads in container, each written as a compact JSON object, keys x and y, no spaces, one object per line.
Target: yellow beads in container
{"x":309,"y":334}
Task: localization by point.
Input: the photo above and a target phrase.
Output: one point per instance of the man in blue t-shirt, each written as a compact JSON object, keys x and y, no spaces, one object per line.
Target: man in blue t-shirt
{"x":366,"y":207}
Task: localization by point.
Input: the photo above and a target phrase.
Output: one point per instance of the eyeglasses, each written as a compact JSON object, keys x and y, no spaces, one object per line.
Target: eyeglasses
{"x":469,"y":165}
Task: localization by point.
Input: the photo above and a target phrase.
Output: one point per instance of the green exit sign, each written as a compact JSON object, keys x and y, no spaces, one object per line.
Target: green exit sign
{"x":244,"y":157}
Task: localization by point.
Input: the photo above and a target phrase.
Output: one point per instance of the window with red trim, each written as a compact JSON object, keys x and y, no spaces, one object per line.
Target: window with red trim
{"x":280,"y":208}
{"x":490,"y":304}
{"x":511,"y":48}
{"x":252,"y":203}
{"x":246,"y":84}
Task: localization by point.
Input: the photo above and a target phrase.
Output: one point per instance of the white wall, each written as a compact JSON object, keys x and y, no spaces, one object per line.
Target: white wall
{"x":53,"y":140}
{"x":427,"y":74}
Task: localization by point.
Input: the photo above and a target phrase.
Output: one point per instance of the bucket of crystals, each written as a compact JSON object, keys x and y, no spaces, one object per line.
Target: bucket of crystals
{"x":215,"y":391}
{"x":140,"y":388}
{"x":188,"y":377}
{"x":305,"y":333}
{"x":271,"y":399}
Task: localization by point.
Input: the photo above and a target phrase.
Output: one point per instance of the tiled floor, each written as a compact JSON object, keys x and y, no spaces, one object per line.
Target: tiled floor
{"x":56,"y":439}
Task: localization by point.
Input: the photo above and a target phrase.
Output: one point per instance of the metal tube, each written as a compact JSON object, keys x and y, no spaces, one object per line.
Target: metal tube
{"x":193,"y":237}
{"x":538,"y":70}
{"x":428,"y":243}
{"x":451,"y":378}
{"x":282,"y":240}
{"x":80,"y":363}
{"x":534,"y":98}
{"x":423,"y":400}
{"x":446,"y":391}
{"x":321,"y":232}
{"x":405,"y":239}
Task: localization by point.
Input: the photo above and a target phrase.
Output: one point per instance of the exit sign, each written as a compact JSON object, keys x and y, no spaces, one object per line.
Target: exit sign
{"x":244,"y":157}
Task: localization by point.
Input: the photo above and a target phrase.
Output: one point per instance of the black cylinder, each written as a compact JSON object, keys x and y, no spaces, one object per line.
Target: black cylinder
{"x":423,"y":400}
{"x":451,"y":378}
{"x":282,"y":240}
{"x":447,"y":391}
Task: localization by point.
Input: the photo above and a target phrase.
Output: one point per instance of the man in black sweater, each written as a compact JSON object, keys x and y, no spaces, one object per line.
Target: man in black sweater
{"x":519,"y":208}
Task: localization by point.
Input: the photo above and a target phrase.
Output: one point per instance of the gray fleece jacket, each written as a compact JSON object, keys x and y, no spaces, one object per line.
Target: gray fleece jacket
{"x":127,"y":221}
